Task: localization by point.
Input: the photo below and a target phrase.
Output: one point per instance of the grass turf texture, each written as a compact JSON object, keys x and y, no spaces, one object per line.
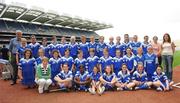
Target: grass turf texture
{"x":176,"y":59}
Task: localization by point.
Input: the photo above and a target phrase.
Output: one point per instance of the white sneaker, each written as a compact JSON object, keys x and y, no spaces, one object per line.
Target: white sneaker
{"x":119,"y":89}
{"x":159,"y":89}
{"x":40,"y":91}
{"x":91,"y":91}
{"x":101,"y":90}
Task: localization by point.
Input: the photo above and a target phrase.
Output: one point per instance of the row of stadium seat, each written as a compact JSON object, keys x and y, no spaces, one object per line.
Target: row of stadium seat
{"x":8,"y":28}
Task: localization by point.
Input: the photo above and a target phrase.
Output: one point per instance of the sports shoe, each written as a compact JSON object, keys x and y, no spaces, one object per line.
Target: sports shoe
{"x":159,"y":89}
{"x":119,"y":89}
{"x":91,"y":91}
{"x":101,"y":90}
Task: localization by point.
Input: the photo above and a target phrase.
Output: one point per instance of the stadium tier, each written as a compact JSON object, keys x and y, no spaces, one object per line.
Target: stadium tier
{"x":43,"y":24}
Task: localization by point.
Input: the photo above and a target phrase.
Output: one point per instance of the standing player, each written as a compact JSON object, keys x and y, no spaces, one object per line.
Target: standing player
{"x":92,"y":60}
{"x":140,"y":78}
{"x":124,"y":79}
{"x":64,"y":78}
{"x":67,"y":59}
{"x":111,"y":47}
{"x":79,"y":61}
{"x":41,"y":56}
{"x":62,"y":46}
{"x":139,"y":58}
{"x":55,"y":63}
{"x":105,"y":61}
{"x":100,"y":46}
{"x":160,"y":80}
{"x":135,"y":44}
{"x":73,"y":47}
{"x":84,"y":46}
{"x":125,"y":44}
{"x":151,"y":62}
{"x":82,"y":79}
{"x":145,"y":44}
{"x":34,"y":46}
{"x":117,"y":62}
{"x":45,"y":47}
{"x":108,"y":79}
{"x":53,"y":45}
{"x":20,"y":51}
{"x":27,"y":69}
{"x":129,"y":60}
{"x":43,"y":75}
{"x":92,"y":44}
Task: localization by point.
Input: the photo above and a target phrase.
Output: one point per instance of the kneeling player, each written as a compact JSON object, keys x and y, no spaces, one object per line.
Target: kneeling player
{"x":140,"y":78}
{"x":124,"y":78}
{"x":82,"y":79}
{"x":43,"y":75}
{"x":160,"y":80}
{"x":108,"y":79}
{"x":64,"y":78}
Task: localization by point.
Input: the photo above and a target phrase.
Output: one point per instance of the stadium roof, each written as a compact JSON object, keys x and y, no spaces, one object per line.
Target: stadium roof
{"x":35,"y":15}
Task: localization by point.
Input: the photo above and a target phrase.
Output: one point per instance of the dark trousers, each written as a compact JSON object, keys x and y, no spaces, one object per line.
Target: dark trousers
{"x":15,"y":68}
{"x":159,"y":60}
{"x":168,"y":65}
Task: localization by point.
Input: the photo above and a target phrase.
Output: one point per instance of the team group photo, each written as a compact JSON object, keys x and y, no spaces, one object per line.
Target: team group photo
{"x":50,"y":56}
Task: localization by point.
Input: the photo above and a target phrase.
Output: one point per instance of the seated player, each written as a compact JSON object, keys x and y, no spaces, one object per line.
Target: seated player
{"x":43,"y":75}
{"x":124,"y":79}
{"x":108,"y":79}
{"x":140,"y":78}
{"x":82,"y":80}
{"x":64,"y":78}
{"x":95,"y":83}
{"x":160,"y":80}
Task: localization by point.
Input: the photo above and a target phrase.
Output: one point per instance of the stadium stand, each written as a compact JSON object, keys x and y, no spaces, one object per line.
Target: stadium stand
{"x":35,"y":21}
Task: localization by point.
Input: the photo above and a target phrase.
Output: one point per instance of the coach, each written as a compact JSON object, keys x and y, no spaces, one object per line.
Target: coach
{"x":13,"y":46}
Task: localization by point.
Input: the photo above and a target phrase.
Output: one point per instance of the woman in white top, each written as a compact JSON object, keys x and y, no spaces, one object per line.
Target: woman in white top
{"x":168,"y":49}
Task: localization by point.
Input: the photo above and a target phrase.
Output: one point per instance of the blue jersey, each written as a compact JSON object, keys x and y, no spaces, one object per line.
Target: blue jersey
{"x":62,"y":48}
{"x":162,"y":77}
{"x":144,"y":47}
{"x":34,"y":48}
{"x":108,"y":78}
{"x":68,"y":60}
{"x":123,"y":77}
{"x":95,"y":77}
{"x":28,"y":70}
{"x":120,"y":47}
{"x":139,"y":59}
{"x":117,"y":64}
{"x":46,"y":51}
{"x":91,"y":63}
{"x":51,"y":48}
{"x":134,"y":46}
{"x":84,"y":48}
{"x":123,"y":48}
{"x":150,"y":64}
{"x":130,"y":62}
{"x":100,"y":47}
{"x":141,"y":77}
{"x":78,"y":62}
{"x":105,"y":62}
{"x":94,"y":46}
{"x":21,"y":50}
{"x":111,"y":49}
{"x":38,"y":60}
{"x":55,"y":67}
{"x":73,"y":50}
{"x":64,"y":75}
{"x":83,"y":77}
